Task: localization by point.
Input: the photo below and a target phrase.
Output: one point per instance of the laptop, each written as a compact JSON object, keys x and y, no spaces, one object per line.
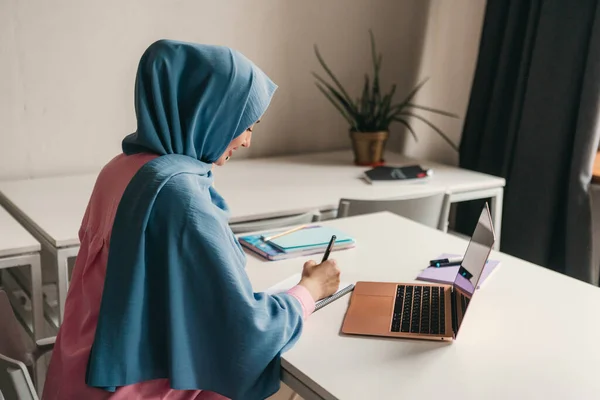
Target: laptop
{"x":421,"y":311}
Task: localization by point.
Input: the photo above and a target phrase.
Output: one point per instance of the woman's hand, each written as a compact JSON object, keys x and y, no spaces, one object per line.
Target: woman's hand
{"x":321,"y":280}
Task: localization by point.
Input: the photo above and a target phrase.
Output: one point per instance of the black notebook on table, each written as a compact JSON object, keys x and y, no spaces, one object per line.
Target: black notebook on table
{"x":408,"y":173}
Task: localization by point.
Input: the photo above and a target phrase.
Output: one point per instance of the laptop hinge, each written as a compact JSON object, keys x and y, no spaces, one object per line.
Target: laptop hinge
{"x":454,"y":312}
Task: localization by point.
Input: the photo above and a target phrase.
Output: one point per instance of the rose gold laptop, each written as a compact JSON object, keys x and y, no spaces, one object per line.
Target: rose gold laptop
{"x":421,"y":311}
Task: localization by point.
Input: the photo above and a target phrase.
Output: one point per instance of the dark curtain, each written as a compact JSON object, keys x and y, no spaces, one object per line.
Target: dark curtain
{"x":533,"y":119}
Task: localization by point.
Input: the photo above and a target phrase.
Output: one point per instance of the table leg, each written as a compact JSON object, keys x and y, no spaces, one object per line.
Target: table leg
{"x":300,"y":388}
{"x":62,"y":282}
{"x":37,"y":311}
{"x":497,"y":204}
{"x":496,"y":195}
{"x":37,"y":306}
{"x":445,"y":214}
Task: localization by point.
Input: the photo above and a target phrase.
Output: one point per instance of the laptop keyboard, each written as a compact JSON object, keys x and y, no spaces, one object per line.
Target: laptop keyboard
{"x":419,"y":309}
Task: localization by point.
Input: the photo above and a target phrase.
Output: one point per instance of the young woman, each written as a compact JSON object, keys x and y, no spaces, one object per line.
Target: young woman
{"x":160,"y":306}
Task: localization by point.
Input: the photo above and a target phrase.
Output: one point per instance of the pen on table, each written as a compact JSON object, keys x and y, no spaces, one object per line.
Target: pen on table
{"x":445,"y":262}
{"x":448,"y":264}
{"x":328,"y":250}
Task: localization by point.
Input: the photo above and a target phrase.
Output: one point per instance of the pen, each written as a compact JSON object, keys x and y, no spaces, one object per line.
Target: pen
{"x":328,"y":250}
{"x":447,"y":264}
{"x":284,"y":233}
{"x":437,"y":263}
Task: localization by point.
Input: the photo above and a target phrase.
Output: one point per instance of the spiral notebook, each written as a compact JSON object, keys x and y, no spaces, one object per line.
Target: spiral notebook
{"x":293,"y":281}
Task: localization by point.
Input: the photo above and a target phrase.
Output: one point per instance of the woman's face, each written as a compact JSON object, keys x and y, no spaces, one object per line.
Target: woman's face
{"x":241,"y":141}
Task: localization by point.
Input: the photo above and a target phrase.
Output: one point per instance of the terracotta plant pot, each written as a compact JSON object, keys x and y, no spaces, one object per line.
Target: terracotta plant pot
{"x":369,"y":147}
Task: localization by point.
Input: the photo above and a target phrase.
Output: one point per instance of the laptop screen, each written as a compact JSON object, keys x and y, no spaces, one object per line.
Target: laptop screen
{"x":472,"y":265}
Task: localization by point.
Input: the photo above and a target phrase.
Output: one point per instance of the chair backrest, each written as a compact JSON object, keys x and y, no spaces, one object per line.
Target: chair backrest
{"x":430,"y":210}
{"x":275,"y":223}
{"x":14,"y":342}
{"x":15,"y":382}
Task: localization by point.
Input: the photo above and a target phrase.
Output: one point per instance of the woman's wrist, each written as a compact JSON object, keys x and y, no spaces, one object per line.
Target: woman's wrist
{"x":305,"y":298}
{"x":312,"y":287}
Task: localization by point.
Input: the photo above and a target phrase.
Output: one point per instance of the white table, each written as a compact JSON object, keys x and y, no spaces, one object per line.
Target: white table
{"x":52,"y":210}
{"x":280,"y":186}
{"x":19,"y":249}
{"x":529,"y":334}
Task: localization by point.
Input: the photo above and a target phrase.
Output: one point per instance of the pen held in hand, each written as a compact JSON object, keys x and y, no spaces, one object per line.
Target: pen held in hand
{"x":328,"y":250}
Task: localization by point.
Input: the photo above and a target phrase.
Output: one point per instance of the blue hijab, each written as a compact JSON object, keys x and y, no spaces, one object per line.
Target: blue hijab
{"x":177,"y":303}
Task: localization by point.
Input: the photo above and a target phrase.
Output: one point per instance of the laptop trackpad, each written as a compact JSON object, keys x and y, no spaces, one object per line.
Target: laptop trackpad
{"x":369,"y":314}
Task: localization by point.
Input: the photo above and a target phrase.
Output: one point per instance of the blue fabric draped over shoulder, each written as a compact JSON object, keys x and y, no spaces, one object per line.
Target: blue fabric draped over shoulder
{"x":177,"y":302}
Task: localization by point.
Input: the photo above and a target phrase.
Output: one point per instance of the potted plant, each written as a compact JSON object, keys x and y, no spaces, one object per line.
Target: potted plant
{"x":371,"y":115}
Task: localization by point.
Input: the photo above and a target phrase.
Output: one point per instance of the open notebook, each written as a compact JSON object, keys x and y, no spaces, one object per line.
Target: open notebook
{"x":293,"y":281}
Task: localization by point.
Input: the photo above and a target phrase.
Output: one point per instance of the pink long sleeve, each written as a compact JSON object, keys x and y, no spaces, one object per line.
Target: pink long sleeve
{"x":305,"y":299}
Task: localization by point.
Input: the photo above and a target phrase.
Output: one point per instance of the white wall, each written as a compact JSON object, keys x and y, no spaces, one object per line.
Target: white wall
{"x":449,"y":60}
{"x":67,"y":68}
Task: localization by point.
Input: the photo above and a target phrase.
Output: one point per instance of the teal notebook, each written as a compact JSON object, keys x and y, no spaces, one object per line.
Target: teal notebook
{"x":256,"y":245}
{"x":309,"y":237}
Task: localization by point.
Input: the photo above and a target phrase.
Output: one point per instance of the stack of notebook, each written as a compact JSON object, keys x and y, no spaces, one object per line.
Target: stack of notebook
{"x":302,"y":241}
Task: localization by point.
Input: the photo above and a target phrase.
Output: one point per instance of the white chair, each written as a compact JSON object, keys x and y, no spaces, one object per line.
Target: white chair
{"x":15,"y":382}
{"x":430,"y":210}
{"x":19,"y":356}
{"x":275,"y":223}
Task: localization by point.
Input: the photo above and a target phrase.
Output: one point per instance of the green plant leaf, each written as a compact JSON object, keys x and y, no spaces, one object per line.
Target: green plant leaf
{"x":365,"y":96}
{"x":376,"y":92}
{"x":392,"y":93}
{"x":373,"y":48}
{"x":432,"y":126}
{"x":337,"y":105}
{"x":376,"y":81}
{"x":383,"y":117}
{"x":433,"y":110}
{"x":348,"y":105}
{"x":405,"y":123}
{"x":331,"y":75}
{"x":376,"y":60}
{"x":398,"y":107}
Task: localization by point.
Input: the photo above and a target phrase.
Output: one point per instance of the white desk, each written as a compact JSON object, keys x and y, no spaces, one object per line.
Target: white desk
{"x":530,"y":333}
{"x":51,"y":209}
{"x":17,"y":249}
{"x":280,"y":186}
